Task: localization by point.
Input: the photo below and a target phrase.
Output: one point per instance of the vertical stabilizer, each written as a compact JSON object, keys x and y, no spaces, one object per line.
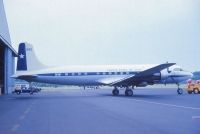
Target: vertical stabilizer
{"x":27,"y":60}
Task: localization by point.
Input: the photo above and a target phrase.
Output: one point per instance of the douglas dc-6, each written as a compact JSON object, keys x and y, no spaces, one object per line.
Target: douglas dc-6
{"x":128,"y":76}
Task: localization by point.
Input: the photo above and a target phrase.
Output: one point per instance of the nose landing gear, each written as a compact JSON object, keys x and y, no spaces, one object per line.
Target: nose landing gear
{"x":179,"y":90}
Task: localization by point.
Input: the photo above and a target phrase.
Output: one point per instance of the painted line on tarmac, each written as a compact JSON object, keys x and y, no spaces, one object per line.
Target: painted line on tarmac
{"x":15,"y":127}
{"x":166,"y":104}
{"x":22,"y":117}
{"x":27,"y":111}
{"x":195,"y":117}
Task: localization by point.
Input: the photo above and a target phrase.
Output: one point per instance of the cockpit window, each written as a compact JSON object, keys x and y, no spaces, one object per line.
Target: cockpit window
{"x":178,"y":69}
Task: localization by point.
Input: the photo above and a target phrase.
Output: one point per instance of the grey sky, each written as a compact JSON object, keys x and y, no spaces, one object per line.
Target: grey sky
{"x":66,"y":32}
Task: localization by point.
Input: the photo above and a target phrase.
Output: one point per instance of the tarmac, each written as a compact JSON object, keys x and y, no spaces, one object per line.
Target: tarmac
{"x":78,"y":111}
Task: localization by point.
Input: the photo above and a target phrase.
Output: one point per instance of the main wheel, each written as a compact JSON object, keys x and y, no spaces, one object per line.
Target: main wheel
{"x":128,"y":92}
{"x":115,"y":92}
{"x":180,"y":91}
{"x":18,"y":92}
{"x":196,"y":91}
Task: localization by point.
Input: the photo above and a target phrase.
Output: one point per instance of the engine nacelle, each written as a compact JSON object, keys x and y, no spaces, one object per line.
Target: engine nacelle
{"x":164,"y":75}
{"x":142,"y":84}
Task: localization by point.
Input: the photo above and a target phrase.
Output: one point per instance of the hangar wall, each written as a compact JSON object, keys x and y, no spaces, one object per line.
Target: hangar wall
{"x":9,"y":53}
{"x":4,"y":32}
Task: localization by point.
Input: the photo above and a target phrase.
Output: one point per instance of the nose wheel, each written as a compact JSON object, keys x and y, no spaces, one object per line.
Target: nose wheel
{"x":180,"y":91}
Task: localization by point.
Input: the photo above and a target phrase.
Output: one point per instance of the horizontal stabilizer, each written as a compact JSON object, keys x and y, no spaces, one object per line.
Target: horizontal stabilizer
{"x":23,"y":76}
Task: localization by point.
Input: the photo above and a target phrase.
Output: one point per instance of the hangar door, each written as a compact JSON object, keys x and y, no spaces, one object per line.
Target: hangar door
{"x":1,"y":68}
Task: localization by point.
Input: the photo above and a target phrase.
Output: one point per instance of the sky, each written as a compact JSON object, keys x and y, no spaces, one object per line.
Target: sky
{"x":97,"y":32}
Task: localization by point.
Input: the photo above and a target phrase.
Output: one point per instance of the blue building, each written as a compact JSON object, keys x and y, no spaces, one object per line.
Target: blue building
{"x":7,"y":55}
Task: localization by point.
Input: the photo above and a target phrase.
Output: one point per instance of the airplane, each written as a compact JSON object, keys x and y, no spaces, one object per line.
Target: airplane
{"x":30,"y":69}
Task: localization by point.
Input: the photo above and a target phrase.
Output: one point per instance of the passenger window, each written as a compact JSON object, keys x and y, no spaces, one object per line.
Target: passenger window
{"x":178,"y":69}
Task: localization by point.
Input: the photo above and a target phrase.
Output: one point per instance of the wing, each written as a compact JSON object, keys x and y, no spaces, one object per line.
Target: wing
{"x":141,"y":76}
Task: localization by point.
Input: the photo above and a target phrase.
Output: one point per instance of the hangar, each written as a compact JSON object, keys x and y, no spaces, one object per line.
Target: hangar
{"x":7,"y":55}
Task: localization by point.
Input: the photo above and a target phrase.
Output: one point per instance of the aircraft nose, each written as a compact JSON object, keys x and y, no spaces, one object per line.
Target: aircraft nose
{"x":191,"y":75}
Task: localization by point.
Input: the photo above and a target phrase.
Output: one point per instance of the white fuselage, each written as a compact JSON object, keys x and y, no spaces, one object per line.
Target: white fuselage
{"x":102,"y":75}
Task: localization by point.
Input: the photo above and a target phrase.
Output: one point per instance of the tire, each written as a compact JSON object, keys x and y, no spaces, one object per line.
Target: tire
{"x":18,"y":92}
{"x":180,"y":91}
{"x":196,"y":91}
{"x":115,"y":92}
{"x":189,"y":92}
{"x":129,"y":92}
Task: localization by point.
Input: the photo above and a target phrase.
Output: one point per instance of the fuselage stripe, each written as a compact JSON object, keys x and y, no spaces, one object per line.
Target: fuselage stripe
{"x":88,"y":73}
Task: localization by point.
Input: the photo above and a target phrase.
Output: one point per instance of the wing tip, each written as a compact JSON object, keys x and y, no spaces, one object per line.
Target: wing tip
{"x":171,"y":64}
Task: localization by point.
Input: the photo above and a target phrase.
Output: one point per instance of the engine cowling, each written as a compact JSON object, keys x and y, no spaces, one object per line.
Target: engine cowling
{"x":142,"y":84}
{"x":164,"y":75}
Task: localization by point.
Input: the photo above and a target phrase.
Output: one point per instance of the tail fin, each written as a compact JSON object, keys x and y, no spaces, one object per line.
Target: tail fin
{"x":27,"y":61}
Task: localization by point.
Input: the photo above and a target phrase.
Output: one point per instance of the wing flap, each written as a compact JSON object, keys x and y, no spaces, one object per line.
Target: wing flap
{"x":110,"y":80}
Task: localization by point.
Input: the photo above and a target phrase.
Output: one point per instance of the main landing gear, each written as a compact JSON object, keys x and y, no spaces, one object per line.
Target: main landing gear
{"x":128,"y":92}
{"x":115,"y":91}
{"x":179,"y":90}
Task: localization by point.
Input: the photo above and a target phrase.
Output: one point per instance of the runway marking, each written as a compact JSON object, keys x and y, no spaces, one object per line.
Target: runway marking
{"x":195,"y":117}
{"x":169,"y":105}
{"x":27,"y":110}
{"x":15,"y":127}
{"x":22,"y":117}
